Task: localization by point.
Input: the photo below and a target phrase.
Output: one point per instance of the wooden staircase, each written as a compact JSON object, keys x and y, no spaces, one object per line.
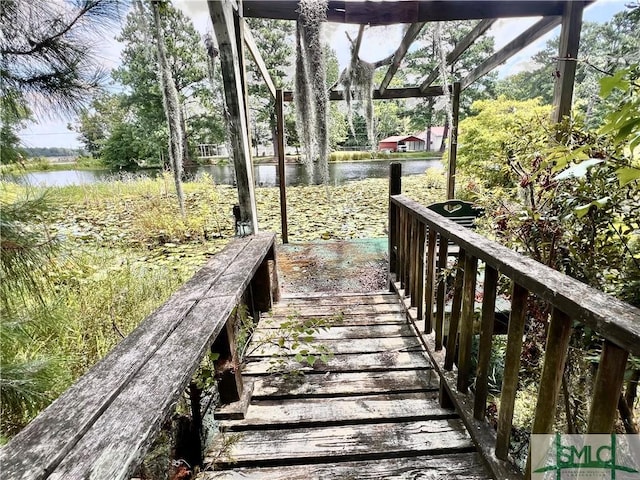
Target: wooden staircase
{"x":369,"y":411}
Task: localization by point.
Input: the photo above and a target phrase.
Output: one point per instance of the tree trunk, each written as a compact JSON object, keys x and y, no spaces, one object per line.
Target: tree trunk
{"x":171,"y":103}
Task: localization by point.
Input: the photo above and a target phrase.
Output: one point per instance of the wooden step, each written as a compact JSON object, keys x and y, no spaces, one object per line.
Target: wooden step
{"x":458,"y":466}
{"x":341,"y":332}
{"x":340,"y":443}
{"x":321,"y":412}
{"x":334,"y":384}
{"x":361,"y":362}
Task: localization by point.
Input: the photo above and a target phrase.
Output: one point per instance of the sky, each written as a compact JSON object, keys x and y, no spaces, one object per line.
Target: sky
{"x":378,"y":43}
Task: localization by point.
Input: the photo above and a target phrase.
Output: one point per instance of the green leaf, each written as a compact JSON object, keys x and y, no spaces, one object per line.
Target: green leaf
{"x":582,"y":210}
{"x":579,"y":170}
{"x":627,"y":175}
{"x":311,"y":360}
{"x":299,"y":357}
{"x":608,"y":84}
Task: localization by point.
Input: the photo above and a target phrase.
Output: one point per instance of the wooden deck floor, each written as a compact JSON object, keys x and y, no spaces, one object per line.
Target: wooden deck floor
{"x":369,"y":412}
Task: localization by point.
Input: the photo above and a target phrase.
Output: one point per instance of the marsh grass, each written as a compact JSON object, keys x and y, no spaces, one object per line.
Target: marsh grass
{"x":124,"y":248}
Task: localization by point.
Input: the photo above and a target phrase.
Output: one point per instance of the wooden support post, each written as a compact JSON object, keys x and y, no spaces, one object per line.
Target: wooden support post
{"x":273,"y":270}
{"x":261,"y":290}
{"x":430,"y":280}
{"x":441,"y":282}
{"x":454,"y":318}
{"x":453,"y":142}
{"x":511,"y":369}
{"x":466,"y":322}
{"x":395,"y":188}
{"x":413,"y":245}
{"x":422,"y":232}
{"x":226,"y":366}
{"x":567,"y":55}
{"x":406,"y":257}
{"x":486,"y":335}
{"x":222,"y":17}
{"x":281,"y":167}
{"x":555,"y":356}
{"x":608,"y":386}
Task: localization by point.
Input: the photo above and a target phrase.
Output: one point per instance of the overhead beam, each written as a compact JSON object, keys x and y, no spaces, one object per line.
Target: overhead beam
{"x":527,"y":37}
{"x":250,"y":42}
{"x":366,"y":12}
{"x":389,"y":93}
{"x":412,"y":32}
{"x":461,"y":47}
{"x":479,"y":30}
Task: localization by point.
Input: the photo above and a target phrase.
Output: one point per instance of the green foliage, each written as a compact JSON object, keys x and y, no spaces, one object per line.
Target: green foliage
{"x":500,"y":131}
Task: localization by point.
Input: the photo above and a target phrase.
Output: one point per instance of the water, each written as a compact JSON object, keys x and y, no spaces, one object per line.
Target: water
{"x":265,"y":175}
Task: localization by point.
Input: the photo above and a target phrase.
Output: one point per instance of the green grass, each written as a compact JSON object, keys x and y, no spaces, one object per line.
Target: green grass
{"x":344,"y":156}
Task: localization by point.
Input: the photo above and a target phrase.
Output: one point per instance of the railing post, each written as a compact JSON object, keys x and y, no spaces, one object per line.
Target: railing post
{"x":395,"y":188}
{"x":454,"y":318}
{"x":430,"y":283}
{"x":511,"y":369}
{"x":261,"y":290}
{"x":441,"y":283}
{"x":486,"y":337}
{"x":606,"y":394}
{"x":466,"y":322}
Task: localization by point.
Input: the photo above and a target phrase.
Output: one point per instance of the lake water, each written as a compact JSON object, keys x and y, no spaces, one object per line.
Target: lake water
{"x":265,"y":175}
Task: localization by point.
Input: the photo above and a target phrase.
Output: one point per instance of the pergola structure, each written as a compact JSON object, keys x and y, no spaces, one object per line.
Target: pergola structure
{"x":233,"y":36}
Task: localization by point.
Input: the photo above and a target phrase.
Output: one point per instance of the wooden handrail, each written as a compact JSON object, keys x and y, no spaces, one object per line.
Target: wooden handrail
{"x":104,"y":424}
{"x":571,"y":301}
{"x":614,"y":319}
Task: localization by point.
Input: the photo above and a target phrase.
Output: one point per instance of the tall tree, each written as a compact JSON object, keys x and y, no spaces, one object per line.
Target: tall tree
{"x":187,"y":62}
{"x":47,"y":66}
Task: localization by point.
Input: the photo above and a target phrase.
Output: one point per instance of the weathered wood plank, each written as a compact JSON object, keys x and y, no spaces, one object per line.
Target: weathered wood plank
{"x":262,"y":335}
{"x":328,"y":310}
{"x":40,"y":446}
{"x":343,"y":320}
{"x":612,"y":318}
{"x":466,"y":322}
{"x":459,"y":466}
{"x":454,"y":320}
{"x":337,"y":383}
{"x":362,"y":362}
{"x":486,"y":337}
{"x":355,"y":345}
{"x":234,"y":281}
{"x":320,"y":412}
{"x":389,"y":93}
{"x":119,"y":439}
{"x":347,"y":442}
{"x":286,"y":304}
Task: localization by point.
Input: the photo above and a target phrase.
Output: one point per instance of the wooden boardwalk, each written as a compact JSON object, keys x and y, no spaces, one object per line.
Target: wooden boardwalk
{"x":371,"y":411}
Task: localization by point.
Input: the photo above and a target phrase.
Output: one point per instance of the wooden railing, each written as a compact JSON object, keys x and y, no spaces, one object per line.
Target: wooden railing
{"x":103,"y":426}
{"x":418,"y":251}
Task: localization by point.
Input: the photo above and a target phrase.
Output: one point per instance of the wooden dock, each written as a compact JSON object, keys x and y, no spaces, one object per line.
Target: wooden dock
{"x":369,"y":411}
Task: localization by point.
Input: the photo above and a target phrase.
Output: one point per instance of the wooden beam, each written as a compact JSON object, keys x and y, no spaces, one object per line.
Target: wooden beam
{"x":222,"y":16}
{"x":460,"y":48}
{"x":567,"y":55}
{"x":527,"y":37}
{"x":412,"y":32}
{"x":366,"y":12}
{"x":250,"y":42}
{"x":453,"y":142}
{"x":479,"y":30}
{"x":389,"y":93}
{"x":281,"y":167}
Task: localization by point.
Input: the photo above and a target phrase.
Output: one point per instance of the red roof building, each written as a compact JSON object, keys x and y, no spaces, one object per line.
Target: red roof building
{"x":402,"y":143}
